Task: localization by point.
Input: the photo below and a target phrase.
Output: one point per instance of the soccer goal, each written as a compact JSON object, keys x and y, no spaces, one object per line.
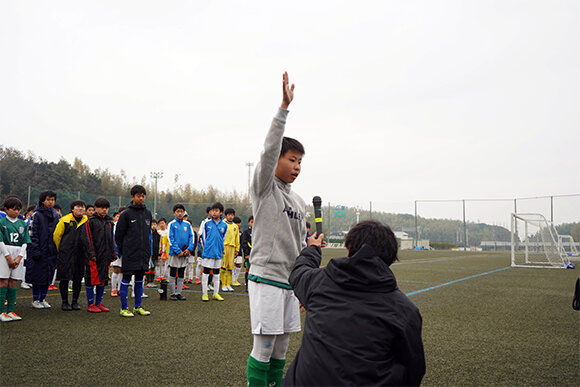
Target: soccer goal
{"x":535,"y":243}
{"x":568,"y":245}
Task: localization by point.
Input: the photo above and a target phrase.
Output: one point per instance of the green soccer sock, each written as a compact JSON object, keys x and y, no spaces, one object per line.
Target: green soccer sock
{"x":3,"y":292}
{"x":276,"y":372}
{"x":257,"y":373}
{"x":11,"y":297}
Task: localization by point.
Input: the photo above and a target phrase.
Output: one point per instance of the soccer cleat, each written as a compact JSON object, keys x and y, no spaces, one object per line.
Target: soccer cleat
{"x":197,"y":281}
{"x":225,"y":289}
{"x":126,"y":313}
{"x":210,"y":287}
{"x":5,"y":318}
{"x":102,"y":307}
{"x":205,"y":298}
{"x":75,"y":306}
{"x":185,"y":286}
{"x":174,"y":297}
{"x":114,"y":293}
{"x":144,"y":295}
{"x":46,"y":305}
{"x":93,"y":309}
{"x":37,"y":305}
{"x":236,"y":283}
{"x":230,"y":289}
{"x":180,"y":297}
{"x":14,"y":316}
{"x":24,"y":285}
{"x":140,"y":311}
{"x":66,"y":307}
{"x":52,"y":287}
{"x":151,"y":285}
{"x":217,"y":297}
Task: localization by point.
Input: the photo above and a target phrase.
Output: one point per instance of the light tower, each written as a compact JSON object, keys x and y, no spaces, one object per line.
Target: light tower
{"x":249,"y":165}
{"x":156,"y":176}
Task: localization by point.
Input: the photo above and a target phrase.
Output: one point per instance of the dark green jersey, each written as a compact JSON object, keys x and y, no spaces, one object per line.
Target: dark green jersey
{"x":13,"y":233}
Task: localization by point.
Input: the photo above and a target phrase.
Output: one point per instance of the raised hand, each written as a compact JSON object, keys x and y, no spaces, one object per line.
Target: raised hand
{"x":287,"y":92}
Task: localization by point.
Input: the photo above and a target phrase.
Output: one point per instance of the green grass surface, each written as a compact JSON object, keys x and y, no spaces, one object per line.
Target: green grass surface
{"x":508,"y":327}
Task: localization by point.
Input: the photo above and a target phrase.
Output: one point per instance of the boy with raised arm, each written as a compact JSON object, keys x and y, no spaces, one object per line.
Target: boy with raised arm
{"x":278,"y":237}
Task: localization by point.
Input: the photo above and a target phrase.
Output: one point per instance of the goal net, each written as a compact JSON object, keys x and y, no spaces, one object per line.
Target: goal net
{"x":535,"y":243}
{"x":568,"y":245}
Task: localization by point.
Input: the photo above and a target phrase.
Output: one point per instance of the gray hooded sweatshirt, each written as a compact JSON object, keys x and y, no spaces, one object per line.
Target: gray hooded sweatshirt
{"x":279,"y":232}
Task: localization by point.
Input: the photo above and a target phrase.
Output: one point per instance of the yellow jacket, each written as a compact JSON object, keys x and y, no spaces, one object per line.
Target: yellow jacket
{"x":66,"y":224}
{"x":232,"y":236}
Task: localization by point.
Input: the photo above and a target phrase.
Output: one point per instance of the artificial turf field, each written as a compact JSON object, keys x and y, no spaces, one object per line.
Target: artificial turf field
{"x":483,"y":324}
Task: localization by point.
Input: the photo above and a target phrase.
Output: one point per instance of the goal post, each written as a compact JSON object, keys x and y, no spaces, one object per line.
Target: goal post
{"x":568,"y":245}
{"x":535,"y":243}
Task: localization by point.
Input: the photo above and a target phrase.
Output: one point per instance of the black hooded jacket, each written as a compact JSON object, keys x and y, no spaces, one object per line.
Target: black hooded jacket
{"x":133,"y":238}
{"x":97,"y":241}
{"x":360,"y":329}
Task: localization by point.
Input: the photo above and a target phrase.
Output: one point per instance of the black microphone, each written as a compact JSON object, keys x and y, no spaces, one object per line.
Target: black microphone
{"x":317,"y":203}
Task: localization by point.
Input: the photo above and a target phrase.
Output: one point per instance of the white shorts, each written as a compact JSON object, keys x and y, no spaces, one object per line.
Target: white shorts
{"x":6,"y":271}
{"x":239,"y":260}
{"x":273,"y":310}
{"x":175,"y":261}
{"x":117,"y":262}
{"x":211,"y":263}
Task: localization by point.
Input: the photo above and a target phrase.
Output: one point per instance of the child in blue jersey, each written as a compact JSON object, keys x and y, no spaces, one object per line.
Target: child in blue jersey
{"x":213,"y":250}
{"x":13,"y":241}
{"x":181,"y":246}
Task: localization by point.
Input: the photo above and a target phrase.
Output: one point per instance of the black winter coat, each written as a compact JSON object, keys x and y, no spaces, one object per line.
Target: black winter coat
{"x":97,"y":241}
{"x":133,"y":238}
{"x":360,"y":329}
{"x":70,"y":261}
{"x":41,"y":252}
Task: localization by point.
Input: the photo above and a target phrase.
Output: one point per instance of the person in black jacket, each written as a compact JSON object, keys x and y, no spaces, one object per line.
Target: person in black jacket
{"x":360,"y":329}
{"x":99,"y":252}
{"x":41,"y":252}
{"x":133,"y":238}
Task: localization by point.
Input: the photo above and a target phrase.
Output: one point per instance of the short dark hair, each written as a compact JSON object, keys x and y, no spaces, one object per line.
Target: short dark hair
{"x":178,"y":206}
{"x":30,"y":208}
{"x":229,"y":211}
{"x":89,"y":206}
{"x":162,"y":220}
{"x":307,"y":224}
{"x":12,"y":203}
{"x":138,"y":189}
{"x":154,"y":221}
{"x":121,"y":209}
{"x":46,"y":194}
{"x":217,"y":206}
{"x":57,"y":206}
{"x":237,"y":220}
{"x":75,"y":203}
{"x":251,"y":218}
{"x":376,"y":235}
{"x":289,"y":144}
{"x":207,"y":210}
{"x":102,"y":202}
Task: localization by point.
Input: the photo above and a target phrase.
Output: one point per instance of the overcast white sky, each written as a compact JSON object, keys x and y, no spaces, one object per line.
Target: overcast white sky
{"x":395,"y":101}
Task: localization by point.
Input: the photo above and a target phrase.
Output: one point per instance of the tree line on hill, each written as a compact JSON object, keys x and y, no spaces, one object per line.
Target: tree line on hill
{"x":19,"y":171}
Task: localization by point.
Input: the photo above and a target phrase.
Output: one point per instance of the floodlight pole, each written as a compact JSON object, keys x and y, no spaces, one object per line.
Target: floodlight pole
{"x":156,"y":176}
{"x":464,"y":226}
{"x":552,"y":209}
{"x":416,"y":227}
{"x":249,"y":165}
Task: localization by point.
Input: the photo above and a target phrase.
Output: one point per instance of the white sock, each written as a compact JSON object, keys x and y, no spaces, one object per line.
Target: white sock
{"x":204,"y":282}
{"x":190,"y":271}
{"x":216,"y":284}
{"x":237,"y":271}
{"x":198,"y":269}
{"x":115,"y":283}
{"x":172,"y":285}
